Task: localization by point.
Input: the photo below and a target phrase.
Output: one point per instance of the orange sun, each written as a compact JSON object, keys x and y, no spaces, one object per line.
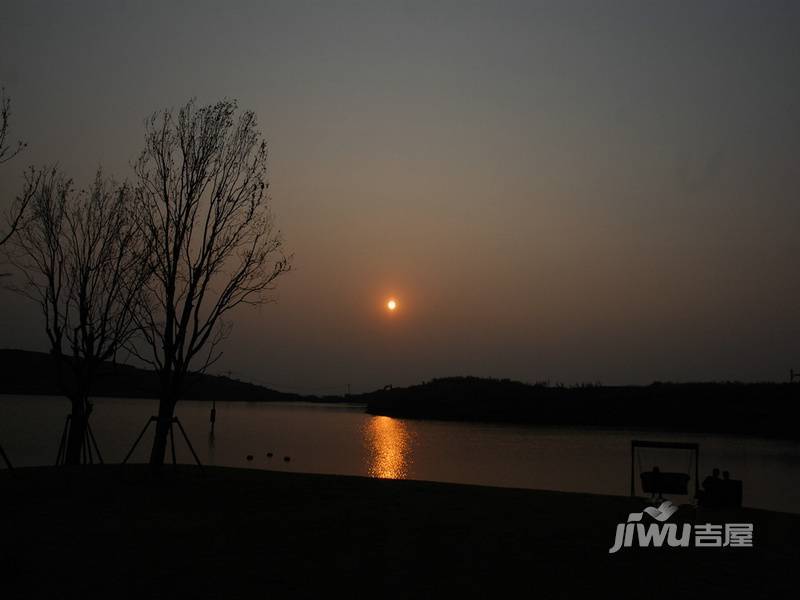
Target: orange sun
{"x":391,"y":304}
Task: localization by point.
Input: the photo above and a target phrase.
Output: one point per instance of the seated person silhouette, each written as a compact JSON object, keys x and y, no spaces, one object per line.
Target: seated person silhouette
{"x":730,"y":491}
{"x":658,"y":483}
{"x":655,"y":479}
{"x":720,"y":493}
{"x":709,"y":496}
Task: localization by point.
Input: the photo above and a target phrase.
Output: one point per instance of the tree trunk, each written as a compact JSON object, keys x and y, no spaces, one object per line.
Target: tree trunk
{"x":166,"y":408}
{"x":77,"y":432}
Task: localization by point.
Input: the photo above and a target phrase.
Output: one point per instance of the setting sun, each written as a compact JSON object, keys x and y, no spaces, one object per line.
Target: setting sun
{"x":392,"y":304}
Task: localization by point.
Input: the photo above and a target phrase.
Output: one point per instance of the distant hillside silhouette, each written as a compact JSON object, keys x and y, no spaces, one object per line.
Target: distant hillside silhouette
{"x":23,"y":372}
{"x":741,"y":408}
{"x":764,"y":409}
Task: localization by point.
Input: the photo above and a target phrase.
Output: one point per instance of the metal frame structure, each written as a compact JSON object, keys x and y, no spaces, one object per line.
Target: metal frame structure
{"x":5,"y":459}
{"x":666,"y":446}
{"x":87,"y":444}
{"x":172,"y":423}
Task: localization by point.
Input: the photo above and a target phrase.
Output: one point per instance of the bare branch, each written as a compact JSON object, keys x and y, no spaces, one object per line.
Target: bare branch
{"x":83,"y":259}
{"x":7,"y":152}
{"x":202,"y":201}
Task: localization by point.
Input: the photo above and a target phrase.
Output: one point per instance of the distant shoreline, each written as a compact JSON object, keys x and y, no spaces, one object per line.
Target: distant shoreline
{"x":757,"y":409}
{"x":302,"y":400}
{"x":750,"y":409}
{"x":26,"y":373}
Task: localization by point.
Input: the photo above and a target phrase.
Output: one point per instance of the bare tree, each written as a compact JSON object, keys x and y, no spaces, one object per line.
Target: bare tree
{"x":81,"y":257}
{"x":202,"y":189}
{"x":7,"y":152}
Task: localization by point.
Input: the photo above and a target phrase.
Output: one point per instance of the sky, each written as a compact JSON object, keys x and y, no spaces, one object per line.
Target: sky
{"x":564,"y":191}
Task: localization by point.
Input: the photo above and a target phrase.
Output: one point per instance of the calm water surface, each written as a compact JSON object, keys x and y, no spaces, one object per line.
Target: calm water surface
{"x":344,"y":440}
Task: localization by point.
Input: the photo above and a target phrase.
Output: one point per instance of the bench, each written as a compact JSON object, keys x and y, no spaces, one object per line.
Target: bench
{"x":655,"y":482}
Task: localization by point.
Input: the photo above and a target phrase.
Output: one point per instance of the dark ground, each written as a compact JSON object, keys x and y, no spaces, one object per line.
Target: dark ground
{"x":111,"y":532}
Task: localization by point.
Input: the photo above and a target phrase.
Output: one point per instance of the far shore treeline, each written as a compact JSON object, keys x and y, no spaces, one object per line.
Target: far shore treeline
{"x":761,"y":409}
{"x":23,"y":372}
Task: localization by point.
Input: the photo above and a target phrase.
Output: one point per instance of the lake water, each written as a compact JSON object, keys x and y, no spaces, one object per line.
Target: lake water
{"x":344,"y":440}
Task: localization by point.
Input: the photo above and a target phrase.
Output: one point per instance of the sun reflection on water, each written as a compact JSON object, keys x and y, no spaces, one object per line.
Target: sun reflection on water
{"x":388,"y":444}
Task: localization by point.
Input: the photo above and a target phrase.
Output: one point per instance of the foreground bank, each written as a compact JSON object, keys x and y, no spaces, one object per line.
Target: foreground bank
{"x":114,"y":532}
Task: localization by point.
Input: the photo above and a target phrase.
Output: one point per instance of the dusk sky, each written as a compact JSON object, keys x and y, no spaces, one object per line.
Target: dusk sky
{"x":565,"y":191}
